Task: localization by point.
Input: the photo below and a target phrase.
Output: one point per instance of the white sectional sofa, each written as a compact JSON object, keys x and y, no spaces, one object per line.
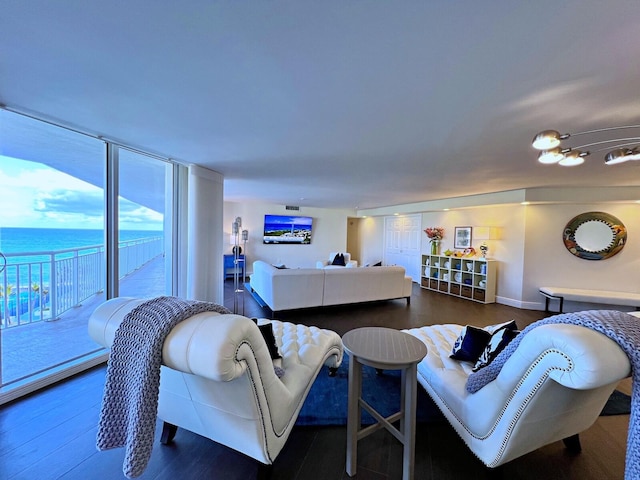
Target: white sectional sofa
{"x":287,"y":289}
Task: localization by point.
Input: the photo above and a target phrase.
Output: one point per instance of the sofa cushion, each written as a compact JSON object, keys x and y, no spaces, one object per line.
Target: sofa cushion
{"x":331,"y":285}
{"x":351,"y":285}
{"x":470,"y":344}
{"x":287,"y":289}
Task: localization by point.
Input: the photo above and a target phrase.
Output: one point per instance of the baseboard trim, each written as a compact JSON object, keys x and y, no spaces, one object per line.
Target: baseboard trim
{"x":511,"y":302}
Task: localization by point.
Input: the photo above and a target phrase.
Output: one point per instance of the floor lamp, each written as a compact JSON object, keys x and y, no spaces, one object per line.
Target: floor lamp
{"x":245,"y":237}
{"x":238,"y":290}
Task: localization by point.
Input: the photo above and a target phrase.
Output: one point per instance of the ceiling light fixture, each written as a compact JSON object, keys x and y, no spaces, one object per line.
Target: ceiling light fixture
{"x":549,"y":142}
{"x":573,"y":158}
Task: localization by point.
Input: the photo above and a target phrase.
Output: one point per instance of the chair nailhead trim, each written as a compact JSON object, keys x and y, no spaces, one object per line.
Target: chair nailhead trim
{"x":278,"y":434}
{"x":522,"y":406}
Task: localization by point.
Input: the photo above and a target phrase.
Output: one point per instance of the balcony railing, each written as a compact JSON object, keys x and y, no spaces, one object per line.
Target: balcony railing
{"x":28,"y":294}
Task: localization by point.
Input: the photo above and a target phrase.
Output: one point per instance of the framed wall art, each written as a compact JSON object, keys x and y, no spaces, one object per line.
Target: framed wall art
{"x":462,"y":237}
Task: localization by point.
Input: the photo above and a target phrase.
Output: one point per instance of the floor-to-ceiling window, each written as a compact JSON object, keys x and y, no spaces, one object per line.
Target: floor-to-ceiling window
{"x":144,"y":215}
{"x":52,"y":239}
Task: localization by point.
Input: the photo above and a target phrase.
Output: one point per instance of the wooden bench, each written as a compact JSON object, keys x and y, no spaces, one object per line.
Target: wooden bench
{"x":594,"y":296}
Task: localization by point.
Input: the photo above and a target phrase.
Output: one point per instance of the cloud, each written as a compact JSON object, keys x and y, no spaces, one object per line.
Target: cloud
{"x":61,"y":203}
{"x":90,"y":204}
{"x":133,"y":215}
{"x":33,"y":194}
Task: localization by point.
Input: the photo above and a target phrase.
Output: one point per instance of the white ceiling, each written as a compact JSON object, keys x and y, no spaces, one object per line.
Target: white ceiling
{"x":349,"y":104}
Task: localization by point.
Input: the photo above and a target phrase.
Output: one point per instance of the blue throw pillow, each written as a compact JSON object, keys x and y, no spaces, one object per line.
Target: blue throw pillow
{"x":496,"y":344}
{"x":470,"y":344}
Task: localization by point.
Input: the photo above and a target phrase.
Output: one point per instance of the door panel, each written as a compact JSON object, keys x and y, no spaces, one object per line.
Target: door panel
{"x":402,"y":243}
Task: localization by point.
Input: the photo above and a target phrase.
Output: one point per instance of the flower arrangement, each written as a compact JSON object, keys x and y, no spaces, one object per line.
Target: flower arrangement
{"x":434,"y":233}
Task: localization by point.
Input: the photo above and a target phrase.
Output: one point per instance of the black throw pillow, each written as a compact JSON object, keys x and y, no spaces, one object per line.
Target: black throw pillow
{"x":267,"y":333}
{"x":470,"y":344}
{"x":270,"y":340}
{"x":339,"y":260}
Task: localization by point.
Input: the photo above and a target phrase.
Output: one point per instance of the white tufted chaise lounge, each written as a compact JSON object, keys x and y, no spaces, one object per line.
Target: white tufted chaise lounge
{"x":553,"y":387}
{"x":218,"y":378}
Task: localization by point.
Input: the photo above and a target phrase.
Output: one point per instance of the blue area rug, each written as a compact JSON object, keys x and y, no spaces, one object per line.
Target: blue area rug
{"x":326,"y":403}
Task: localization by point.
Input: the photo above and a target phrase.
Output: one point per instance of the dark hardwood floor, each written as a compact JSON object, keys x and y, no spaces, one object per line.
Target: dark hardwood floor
{"x":51,"y":434}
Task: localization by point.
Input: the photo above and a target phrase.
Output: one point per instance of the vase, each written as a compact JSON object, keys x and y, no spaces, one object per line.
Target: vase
{"x":435,"y":247}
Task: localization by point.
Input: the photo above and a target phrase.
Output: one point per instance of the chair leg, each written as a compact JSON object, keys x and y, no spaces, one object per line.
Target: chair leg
{"x":573,"y":443}
{"x":496,"y":473}
{"x":168,"y":433}
{"x":333,"y":371}
{"x":264,"y":471}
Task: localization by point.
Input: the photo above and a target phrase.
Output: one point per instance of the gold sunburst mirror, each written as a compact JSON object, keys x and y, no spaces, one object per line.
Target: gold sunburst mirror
{"x":594,"y":235}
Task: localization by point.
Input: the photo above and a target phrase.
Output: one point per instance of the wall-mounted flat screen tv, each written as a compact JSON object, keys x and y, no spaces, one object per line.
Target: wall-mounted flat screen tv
{"x":287,"y":229}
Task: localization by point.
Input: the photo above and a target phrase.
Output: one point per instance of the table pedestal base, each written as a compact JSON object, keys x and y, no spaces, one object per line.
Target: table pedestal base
{"x":405,"y":434}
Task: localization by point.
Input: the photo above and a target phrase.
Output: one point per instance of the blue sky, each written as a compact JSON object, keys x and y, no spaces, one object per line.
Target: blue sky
{"x":34,"y":195}
{"x":288,"y":220}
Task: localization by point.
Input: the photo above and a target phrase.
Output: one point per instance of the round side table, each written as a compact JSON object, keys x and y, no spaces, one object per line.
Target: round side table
{"x":383,"y":349}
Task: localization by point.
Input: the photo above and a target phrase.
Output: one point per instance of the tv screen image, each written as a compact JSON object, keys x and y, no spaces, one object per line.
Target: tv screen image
{"x":287,"y":229}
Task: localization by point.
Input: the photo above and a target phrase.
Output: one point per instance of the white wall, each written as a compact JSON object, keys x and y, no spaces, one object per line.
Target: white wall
{"x":371,"y":240}
{"x":548,"y":263}
{"x":329,"y":233}
{"x":530,"y":252}
{"x":508,"y":252}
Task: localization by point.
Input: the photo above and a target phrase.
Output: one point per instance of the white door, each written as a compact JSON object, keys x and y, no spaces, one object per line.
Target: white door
{"x":402,"y":243}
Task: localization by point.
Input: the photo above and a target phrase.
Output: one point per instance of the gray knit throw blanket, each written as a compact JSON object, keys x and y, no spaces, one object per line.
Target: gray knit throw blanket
{"x":130,"y":400}
{"x":619,"y":327}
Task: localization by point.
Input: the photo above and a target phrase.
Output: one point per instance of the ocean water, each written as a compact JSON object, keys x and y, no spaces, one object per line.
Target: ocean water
{"x":28,"y":253}
{"x":30,"y":240}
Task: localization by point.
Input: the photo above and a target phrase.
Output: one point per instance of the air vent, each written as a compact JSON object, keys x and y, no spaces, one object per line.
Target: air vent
{"x":291,"y":207}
